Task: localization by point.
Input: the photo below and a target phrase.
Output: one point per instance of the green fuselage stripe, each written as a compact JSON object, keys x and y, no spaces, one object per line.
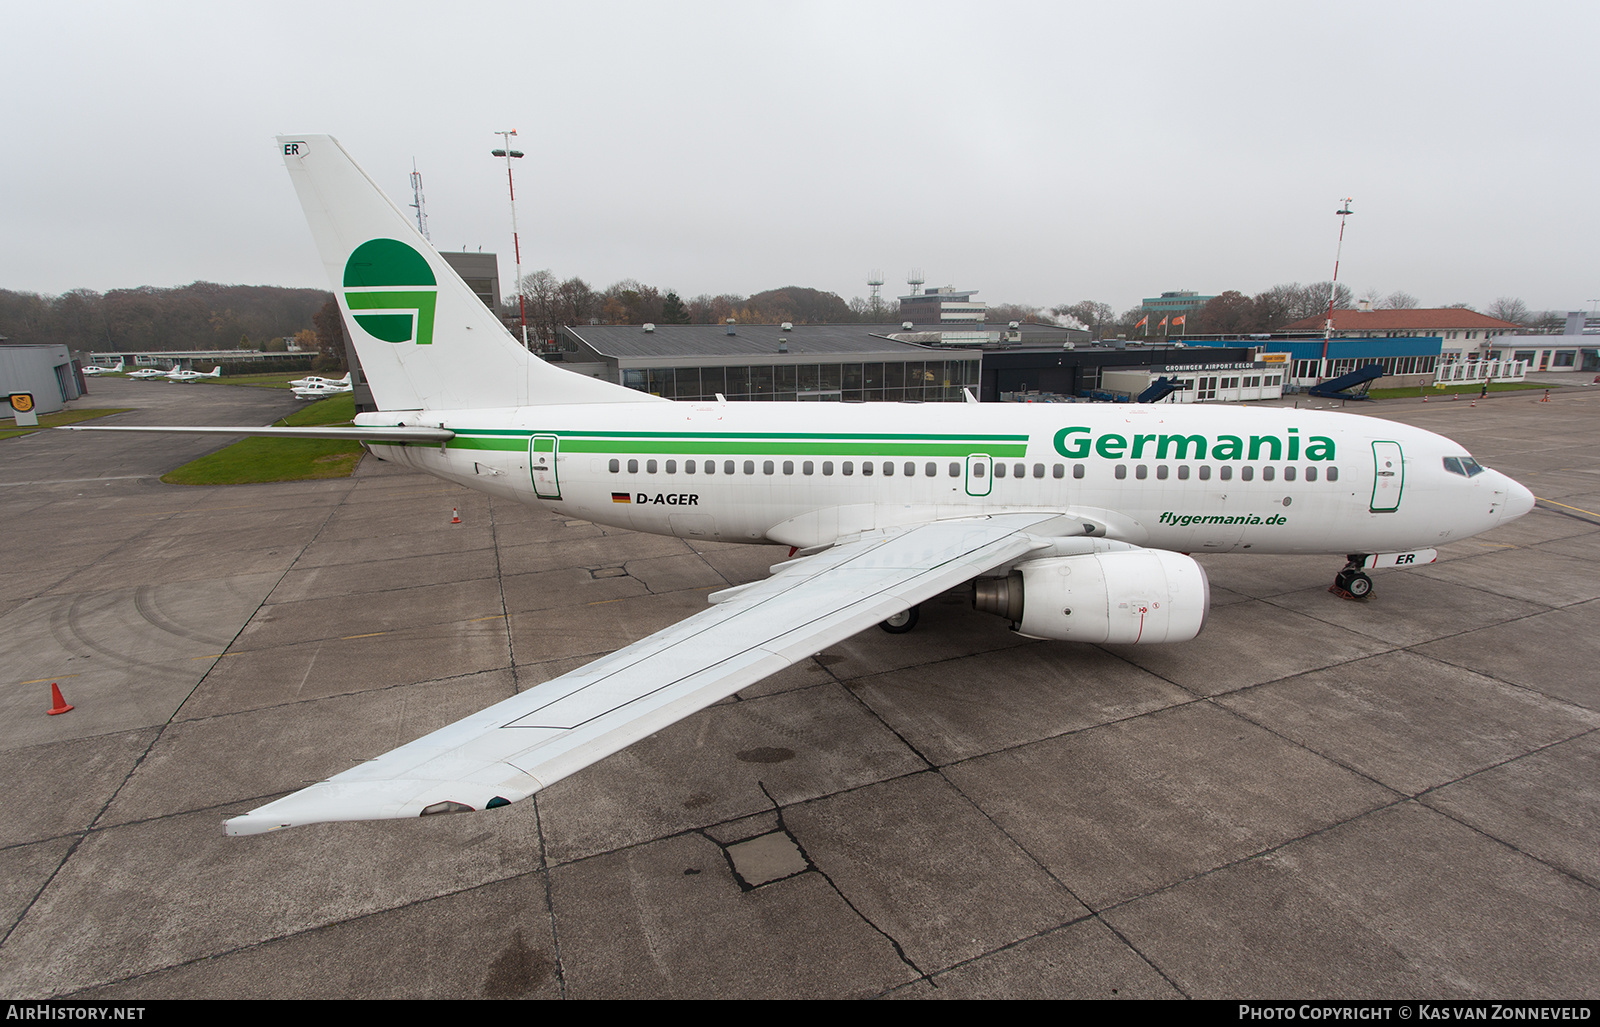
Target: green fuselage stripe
{"x":747,"y":444}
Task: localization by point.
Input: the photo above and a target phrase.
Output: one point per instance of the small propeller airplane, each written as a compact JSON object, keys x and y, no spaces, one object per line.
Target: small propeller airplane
{"x":146,"y":373}
{"x":194,"y":376}
{"x":313,"y":381}
{"x":97,"y":369}
{"x":1072,"y":522}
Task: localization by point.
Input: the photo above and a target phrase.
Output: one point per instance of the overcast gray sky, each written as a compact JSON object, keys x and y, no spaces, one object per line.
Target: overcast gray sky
{"x":1040,"y":153}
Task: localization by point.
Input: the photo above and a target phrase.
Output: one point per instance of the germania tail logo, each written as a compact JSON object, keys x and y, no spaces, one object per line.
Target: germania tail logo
{"x":391,"y":291}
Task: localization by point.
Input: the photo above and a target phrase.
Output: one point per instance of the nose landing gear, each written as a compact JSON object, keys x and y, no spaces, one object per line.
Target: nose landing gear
{"x":1352,"y":582}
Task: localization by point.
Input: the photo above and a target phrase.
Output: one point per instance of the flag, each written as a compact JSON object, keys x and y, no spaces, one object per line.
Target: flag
{"x":1177,"y":321}
{"x":1163,"y":323}
{"x":1142,"y":322}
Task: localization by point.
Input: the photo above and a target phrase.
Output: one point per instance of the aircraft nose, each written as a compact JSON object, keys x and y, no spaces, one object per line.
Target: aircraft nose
{"x":1518,"y":501}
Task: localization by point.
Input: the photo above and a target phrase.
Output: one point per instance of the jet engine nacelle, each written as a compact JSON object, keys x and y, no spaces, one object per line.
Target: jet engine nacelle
{"x":1135,"y":595}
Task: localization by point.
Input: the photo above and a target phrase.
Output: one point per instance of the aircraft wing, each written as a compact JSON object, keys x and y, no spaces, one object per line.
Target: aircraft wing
{"x":533,"y":739}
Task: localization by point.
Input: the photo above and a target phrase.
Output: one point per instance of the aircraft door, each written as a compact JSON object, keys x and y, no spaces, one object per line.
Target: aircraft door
{"x":542,"y":466}
{"x":1389,"y":477}
{"x":980,"y":475}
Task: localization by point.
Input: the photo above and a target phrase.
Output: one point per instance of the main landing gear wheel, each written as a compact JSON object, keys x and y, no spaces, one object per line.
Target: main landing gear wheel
{"x":901,"y":622}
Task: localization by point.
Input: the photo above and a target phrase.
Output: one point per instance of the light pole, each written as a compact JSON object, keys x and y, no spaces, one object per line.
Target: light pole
{"x":1333,"y":289}
{"x":516,"y":246}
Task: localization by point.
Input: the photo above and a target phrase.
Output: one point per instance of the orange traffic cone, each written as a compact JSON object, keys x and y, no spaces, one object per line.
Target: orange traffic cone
{"x":1546,"y":396}
{"x":60,"y":703}
{"x":455,"y":515}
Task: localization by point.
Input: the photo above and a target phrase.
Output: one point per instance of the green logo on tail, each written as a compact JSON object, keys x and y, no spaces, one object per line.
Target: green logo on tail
{"x":391,"y":291}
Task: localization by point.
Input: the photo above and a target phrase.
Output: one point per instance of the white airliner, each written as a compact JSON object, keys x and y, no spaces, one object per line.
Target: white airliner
{"x":313,"y":381}
{"x":1072,"y":521}
{"x":152,"y":372}
{"x":194,"y":376}
{"x":97,"y":369}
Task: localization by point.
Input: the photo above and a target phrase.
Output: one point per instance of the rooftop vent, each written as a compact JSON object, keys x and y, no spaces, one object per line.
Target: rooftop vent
{"x":649,"y":327}
{"x":783,"y":347}
{"x":1015,"y":324}
{"x":906,"y":325}
{"x":787,"y":326}
{"x":731,"y":323}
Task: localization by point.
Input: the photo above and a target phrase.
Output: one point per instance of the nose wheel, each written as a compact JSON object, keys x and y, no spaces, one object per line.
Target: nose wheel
{"x":1352,"y":582}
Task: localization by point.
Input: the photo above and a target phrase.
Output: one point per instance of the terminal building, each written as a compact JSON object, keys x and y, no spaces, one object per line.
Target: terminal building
{"x":872,"y":363}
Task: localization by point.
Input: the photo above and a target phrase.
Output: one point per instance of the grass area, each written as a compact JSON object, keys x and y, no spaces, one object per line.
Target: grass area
{"x":63,"y":417}
{"x":257,"y":460}
{"x":270,"y":380}
{"x":1413,"y":392}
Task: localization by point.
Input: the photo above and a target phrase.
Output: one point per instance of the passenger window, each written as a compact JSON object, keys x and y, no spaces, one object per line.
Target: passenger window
{"x":788,"y":467}
{"x":767,"y":467}
{"x":1077,"y":470}
{"x":633,"y":467}
{"x":616,"y":465}
{"x":888,"y":468}
{"x":727,"y":467}
{"x":977,"y":470}
{"x":1058,"y":470}
{"x":1311,"y":474}
{"x":827,"y":467}
{"x":711,"y":467}
{"x":650,"y":467}
{"x":749,"y":467}
{"x":1247,"y":473}
{"x":1038,"y":470}
{"x":1205,"y":472}
{"x":1289,"y":473}
{"x":807,"y":467}
{"x":849,"y":467}
{"x":1225,"y":473}
{"x":1183,"y":472}
{"x":1161,"y":472}
{"x":1020,"y":470}
{"x":1141,"y":472}
{"x":955,"y":469}
{"x":910,"y":469}
{"x":1333,"y":474}
{"x":1122,"y":471}
{"x":688,"y":467}
{"x":866,"y":468}
{"x":999,"y":470}
{"x":1268,"y":472}
{"x":672,"y":467}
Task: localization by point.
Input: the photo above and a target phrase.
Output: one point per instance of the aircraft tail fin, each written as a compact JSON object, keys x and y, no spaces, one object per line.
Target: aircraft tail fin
{"x":425,"y":340}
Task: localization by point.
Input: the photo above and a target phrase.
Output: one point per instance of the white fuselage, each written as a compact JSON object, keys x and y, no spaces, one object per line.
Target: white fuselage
{"x":1190,"y":479}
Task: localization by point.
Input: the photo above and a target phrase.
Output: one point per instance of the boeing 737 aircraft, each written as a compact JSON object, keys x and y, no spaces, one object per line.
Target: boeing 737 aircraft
{"x":1072,"y":521}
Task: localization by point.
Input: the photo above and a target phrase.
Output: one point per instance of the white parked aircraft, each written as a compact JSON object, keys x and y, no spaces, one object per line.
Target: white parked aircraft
{"x":194,"y":376}
{"x":1071,"y":520}
{"x":147,"y":373}
{"x":97,"y":369}
{"x":313,"y":381}
{"x":321,"y":391}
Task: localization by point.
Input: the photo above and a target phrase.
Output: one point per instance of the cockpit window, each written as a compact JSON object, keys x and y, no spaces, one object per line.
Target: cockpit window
{"x":1463,"y":465}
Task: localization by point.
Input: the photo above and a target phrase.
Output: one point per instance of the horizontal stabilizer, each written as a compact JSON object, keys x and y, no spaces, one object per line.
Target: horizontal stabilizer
{"x":356,"y":433}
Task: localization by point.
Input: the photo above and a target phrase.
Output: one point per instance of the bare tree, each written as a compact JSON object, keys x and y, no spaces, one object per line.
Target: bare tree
{"x":1509,"y":308}
{"x":1398,"y":300}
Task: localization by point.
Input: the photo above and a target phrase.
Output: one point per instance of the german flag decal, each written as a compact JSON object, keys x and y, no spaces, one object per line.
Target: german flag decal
{"x":621,"y":497}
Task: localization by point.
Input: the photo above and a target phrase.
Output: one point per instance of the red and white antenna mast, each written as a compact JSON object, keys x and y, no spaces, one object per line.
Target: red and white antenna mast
{"x":516,"y":245}
{"x":1333,"y":287}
